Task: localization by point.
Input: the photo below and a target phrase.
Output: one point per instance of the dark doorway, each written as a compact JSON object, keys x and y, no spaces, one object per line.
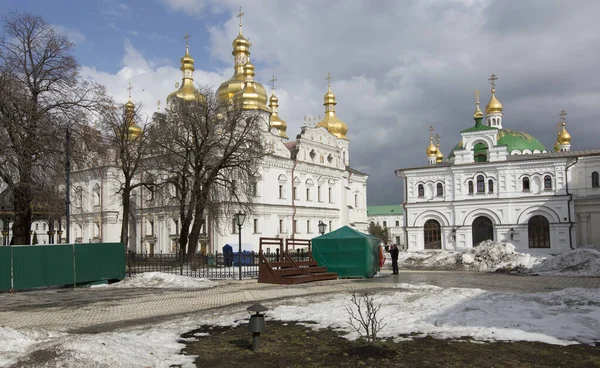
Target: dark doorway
{"x":433,"y":235}
{"x":483,"y":229}
{"x":539,"y":232}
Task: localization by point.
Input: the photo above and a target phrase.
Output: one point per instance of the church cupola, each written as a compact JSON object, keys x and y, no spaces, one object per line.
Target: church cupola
{"x":564,"y":138}
{"x":331,"y":122}
{"x":133,"y":130}
{"x":439,"y":156}
{"x":431,"y":150}
{"x":493,"y":110}
{"x":275,"y":122}
{"x":186,"y":91}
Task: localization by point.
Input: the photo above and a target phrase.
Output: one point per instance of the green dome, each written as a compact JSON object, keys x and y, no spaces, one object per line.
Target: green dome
{"x":513,"y":140}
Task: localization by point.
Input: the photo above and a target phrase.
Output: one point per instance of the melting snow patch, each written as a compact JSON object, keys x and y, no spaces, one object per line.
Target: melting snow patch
{"x":579,"y":262}
{"x":162,"y":280}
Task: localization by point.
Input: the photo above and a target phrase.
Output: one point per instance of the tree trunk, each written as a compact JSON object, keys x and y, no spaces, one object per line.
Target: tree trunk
{"x":195,"y":233}
{"x":125,"y":221}
{"x":23,"y":214}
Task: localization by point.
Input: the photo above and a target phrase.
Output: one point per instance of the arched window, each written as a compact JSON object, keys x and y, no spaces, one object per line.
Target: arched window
{"x":440,"y":190}
{"x":490,"y":186}
{"x":421,"y":190}
{"x":539,"y":232}
{"x":470,"y":187}
{"x":526,"y":184}
{"x":547,"y":182}
{"x":480,"y":184}
{"x":595,"y":180}
{"x":385,"y":224}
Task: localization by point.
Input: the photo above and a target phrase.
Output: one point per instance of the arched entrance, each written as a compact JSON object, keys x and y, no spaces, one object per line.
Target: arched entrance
{"x":433,"y":235}
{"x":539,"y":232}
{"x":483,"y":229}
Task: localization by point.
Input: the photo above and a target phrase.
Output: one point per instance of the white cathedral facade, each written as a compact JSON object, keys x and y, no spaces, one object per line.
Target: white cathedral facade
{"x":502,"y":184}
{"x":305,"y":180}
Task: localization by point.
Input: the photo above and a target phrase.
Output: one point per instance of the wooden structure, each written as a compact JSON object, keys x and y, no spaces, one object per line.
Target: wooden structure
{"x":283,"y":269}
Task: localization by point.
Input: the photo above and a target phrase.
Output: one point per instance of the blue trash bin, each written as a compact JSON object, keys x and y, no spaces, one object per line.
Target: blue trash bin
{"x":227,"y":255}
{"x":246,"y":258}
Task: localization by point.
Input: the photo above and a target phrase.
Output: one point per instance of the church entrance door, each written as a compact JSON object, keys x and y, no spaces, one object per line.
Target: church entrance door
{"x":433,"y":235}
{"x":483,"y":229}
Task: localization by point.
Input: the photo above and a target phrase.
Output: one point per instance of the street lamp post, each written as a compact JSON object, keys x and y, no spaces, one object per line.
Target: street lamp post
{"x":240,"y":217}
{"x":322,"y":227}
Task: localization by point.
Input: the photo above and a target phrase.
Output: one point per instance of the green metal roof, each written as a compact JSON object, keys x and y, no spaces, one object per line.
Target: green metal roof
{"x":513,"y":140}
{"x":388,"y":209}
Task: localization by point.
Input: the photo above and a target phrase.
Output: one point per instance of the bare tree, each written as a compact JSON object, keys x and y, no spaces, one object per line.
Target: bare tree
{"x":362,"y":316}
{"x":214,"y":150}
{"x":127,"y":138}
{"x":40,"y":94}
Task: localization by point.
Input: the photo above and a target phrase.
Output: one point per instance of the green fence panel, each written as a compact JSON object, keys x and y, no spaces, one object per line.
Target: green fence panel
{"x":42,"y":265}
{"x":99,"y":261}
{"x":4,"y":268}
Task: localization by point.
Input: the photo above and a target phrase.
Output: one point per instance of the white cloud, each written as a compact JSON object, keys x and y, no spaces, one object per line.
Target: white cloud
{"x":73,"y":35}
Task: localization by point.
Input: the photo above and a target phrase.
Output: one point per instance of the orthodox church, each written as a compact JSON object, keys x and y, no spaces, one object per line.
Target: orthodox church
{"x":502,"y":184}
{"x":305,"y":181}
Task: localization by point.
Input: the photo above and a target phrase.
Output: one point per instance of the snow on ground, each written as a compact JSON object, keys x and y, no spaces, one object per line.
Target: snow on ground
{"x":578,"y":262}
{"x":563,"y":317}
{"x":489,"y":256}
{"x":161,"y":280}
{"x":492,"y":256}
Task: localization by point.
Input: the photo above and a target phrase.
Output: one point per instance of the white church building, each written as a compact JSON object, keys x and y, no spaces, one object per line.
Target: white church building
{"x":502,"y":184}
{"x":305,"y":180}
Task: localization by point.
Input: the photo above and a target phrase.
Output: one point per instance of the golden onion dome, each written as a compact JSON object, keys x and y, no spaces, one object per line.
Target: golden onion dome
{"x":439,"y":155}
{"x":564,"y":137}
{"x":275,"y":121}
{"x":241,"y":55}
{"x":494,"y":106}
{"x":133,"y":130}
{"x":253,"y":96}
{"x":187,"y":91}
{"x":431,"y":149}
{"x":478,"y":114}
{"x":331,"y":122}
{"x":557,"y":144}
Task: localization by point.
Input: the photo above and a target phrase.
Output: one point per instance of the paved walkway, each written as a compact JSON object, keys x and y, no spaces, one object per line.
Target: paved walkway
{"x":102,"y":309}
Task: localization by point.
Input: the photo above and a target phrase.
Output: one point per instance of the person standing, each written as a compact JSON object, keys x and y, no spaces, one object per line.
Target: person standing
{"x":394,"y":252}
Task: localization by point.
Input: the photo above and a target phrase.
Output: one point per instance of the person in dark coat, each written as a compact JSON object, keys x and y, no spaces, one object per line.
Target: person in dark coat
{"x":394,"y":251}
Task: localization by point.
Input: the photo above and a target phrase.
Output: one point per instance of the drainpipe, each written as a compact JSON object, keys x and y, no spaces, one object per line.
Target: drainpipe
{"x":101,"y":203}
{"x":569,"y":202}
{"x":293,"y":201}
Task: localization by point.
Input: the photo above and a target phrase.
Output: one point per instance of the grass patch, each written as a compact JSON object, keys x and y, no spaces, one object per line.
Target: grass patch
{"x":296,"y":345}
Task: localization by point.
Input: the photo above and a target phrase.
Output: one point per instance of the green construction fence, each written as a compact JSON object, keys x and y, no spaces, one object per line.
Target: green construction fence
{"x":35,"y":266}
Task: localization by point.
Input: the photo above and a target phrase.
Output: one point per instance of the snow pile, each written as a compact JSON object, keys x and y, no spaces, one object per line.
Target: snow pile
{"x":578,"y":262}
{"x":162,"y":280}
{"x":488,"y":256}
{"x":16,"y":343}
{"x":565,"y":317}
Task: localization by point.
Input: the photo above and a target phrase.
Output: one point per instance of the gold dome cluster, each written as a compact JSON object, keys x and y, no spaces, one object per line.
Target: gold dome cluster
{"x":563,"y":137}
{"x":275,"y":121}
{"x":133,"y":130}
{"x":331,"y":122}
{"x":242,"y":87}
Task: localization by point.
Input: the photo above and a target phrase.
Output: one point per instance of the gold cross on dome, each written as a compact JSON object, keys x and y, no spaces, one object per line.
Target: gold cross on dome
{"x":437,"y":139}
{"x":186,"y":37}
{"x":129,"y":89}
{"x":240,"y":15}
{"x":431,"y":131}
{"x":563,"y":115}
{"x":492,"y":80}
{"x":559,"y":126}
{"x":273,"y":82}
{"x":328,"y":79}
{"x":477,"y":96}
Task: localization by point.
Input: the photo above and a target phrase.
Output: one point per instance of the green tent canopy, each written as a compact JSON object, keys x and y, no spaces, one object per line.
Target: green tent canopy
{"x":348,"y":252}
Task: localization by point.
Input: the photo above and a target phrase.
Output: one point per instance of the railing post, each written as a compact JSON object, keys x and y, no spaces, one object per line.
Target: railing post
{"x":277,"y":254}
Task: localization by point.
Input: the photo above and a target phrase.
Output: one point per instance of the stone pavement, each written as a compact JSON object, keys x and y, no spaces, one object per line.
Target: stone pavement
{"x":102,"y":309}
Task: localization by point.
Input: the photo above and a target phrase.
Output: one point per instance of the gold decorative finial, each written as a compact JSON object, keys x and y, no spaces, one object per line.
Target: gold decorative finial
{"x":186,"y":37}
{"x":477,"y":114}
{"x":129,"y":89}
{"x":431,"y":130}
{"x":273,"y":82}
{"x":158,"y":105}
{"x":240,"y":15}
{"x":477,"y":96}
{"x":328,"y":79}
{"x":563,"y":115}
{"x":492,"y":80}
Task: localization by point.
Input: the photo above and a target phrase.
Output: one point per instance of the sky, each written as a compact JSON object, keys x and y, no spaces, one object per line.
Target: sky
{"x":398,"y":67}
